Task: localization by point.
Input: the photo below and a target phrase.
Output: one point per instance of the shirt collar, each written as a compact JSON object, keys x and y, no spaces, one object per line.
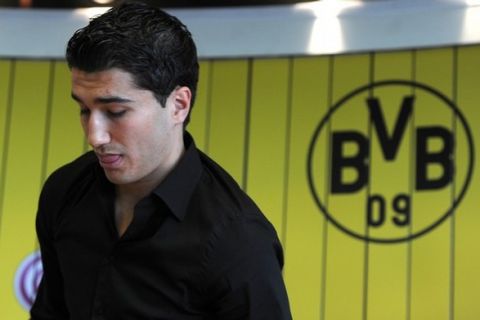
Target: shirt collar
{"x":178,"y":186}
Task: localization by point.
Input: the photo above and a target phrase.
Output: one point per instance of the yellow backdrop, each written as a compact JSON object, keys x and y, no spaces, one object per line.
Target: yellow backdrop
{"x":258,"y":118}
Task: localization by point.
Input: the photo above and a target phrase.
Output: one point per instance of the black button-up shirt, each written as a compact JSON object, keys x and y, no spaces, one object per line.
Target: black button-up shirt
{"x":197,"y":248}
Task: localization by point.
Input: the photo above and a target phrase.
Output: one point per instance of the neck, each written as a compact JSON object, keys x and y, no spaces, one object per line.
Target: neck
{"x":135,"y":191}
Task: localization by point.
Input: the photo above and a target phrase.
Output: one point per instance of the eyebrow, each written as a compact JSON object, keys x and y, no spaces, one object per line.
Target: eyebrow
{"x":104,"y":100}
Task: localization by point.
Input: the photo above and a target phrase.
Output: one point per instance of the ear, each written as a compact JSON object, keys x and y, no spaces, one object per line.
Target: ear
{"x":182,"y":97}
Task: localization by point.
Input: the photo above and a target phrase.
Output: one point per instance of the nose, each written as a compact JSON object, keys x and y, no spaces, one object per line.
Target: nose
{"x":97,"y":130}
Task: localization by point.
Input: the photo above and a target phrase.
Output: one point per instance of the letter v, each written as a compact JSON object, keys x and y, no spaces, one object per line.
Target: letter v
{"x":390,"y":144}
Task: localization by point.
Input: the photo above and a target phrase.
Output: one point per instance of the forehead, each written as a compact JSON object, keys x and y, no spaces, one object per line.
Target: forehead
{"x":110,"y":77}
{"x":92,"y":87}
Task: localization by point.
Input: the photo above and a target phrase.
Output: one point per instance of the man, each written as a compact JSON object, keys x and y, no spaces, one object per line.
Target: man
{"x":146,"y":226}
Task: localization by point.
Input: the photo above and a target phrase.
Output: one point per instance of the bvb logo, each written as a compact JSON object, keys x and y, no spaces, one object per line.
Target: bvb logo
{"x":390,"y":161}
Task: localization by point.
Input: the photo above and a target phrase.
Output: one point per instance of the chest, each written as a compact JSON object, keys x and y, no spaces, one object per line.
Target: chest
{"x":157,"y":256}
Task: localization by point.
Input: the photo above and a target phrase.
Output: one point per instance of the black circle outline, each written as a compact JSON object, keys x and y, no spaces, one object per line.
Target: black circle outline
{"x":353,"y":93}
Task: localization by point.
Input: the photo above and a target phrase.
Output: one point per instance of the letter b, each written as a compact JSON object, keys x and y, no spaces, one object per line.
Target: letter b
{"x":357,"y":162}
{"x":425,"y":158}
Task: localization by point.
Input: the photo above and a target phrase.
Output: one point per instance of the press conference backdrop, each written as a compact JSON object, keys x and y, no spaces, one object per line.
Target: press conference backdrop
{"x":364,"y":163}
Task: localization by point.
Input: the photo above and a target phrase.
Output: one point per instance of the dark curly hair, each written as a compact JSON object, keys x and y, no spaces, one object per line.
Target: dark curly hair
{"x":153,"y":46}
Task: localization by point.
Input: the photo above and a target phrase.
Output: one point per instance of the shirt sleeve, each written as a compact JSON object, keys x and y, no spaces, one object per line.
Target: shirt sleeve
{"x":49,"y":302}
{"x":245,"y":272}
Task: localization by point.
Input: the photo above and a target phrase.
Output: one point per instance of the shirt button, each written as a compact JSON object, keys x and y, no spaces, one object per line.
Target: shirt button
{"x":99,"y":310}
{"x":107,"y":260}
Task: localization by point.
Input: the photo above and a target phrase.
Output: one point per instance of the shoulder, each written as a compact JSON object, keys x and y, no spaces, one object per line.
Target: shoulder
{"x":63,"y":181}
{"x":239,"y":229}
{"x":68,"y":174}
{"x":224,"y":199}
{"x":241,"y":269}
{"x":222,"y":193}
{"x":74,"y":169}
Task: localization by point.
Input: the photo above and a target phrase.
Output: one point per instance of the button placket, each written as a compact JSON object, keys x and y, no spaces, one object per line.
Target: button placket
{"x":99,"y":302}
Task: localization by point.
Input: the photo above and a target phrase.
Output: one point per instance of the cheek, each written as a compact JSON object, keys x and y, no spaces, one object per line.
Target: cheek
{"x":142,"y":136}
{"x":140,"y":139}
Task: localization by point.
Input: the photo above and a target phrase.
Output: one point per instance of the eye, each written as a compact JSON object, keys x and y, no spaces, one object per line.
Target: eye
{"x":116,"y":114}
{"x":84,"y":112}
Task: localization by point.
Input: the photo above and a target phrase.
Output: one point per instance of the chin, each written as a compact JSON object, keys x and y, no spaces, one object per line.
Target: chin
{"x":117,"y":178}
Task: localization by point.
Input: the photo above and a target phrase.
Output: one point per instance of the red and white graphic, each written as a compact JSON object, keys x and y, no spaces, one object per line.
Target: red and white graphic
{"x":27,"y":279}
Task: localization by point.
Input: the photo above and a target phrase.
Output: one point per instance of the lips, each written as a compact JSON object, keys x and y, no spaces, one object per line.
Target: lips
{"x":109,"y":161}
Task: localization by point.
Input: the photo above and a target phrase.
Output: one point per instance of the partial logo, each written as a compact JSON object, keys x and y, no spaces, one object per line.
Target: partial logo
{"x":27,"y":279}
{"x":390,"y":161}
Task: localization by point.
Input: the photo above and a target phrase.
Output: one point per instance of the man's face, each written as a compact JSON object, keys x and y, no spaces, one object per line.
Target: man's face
{"x":136,"y":140}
